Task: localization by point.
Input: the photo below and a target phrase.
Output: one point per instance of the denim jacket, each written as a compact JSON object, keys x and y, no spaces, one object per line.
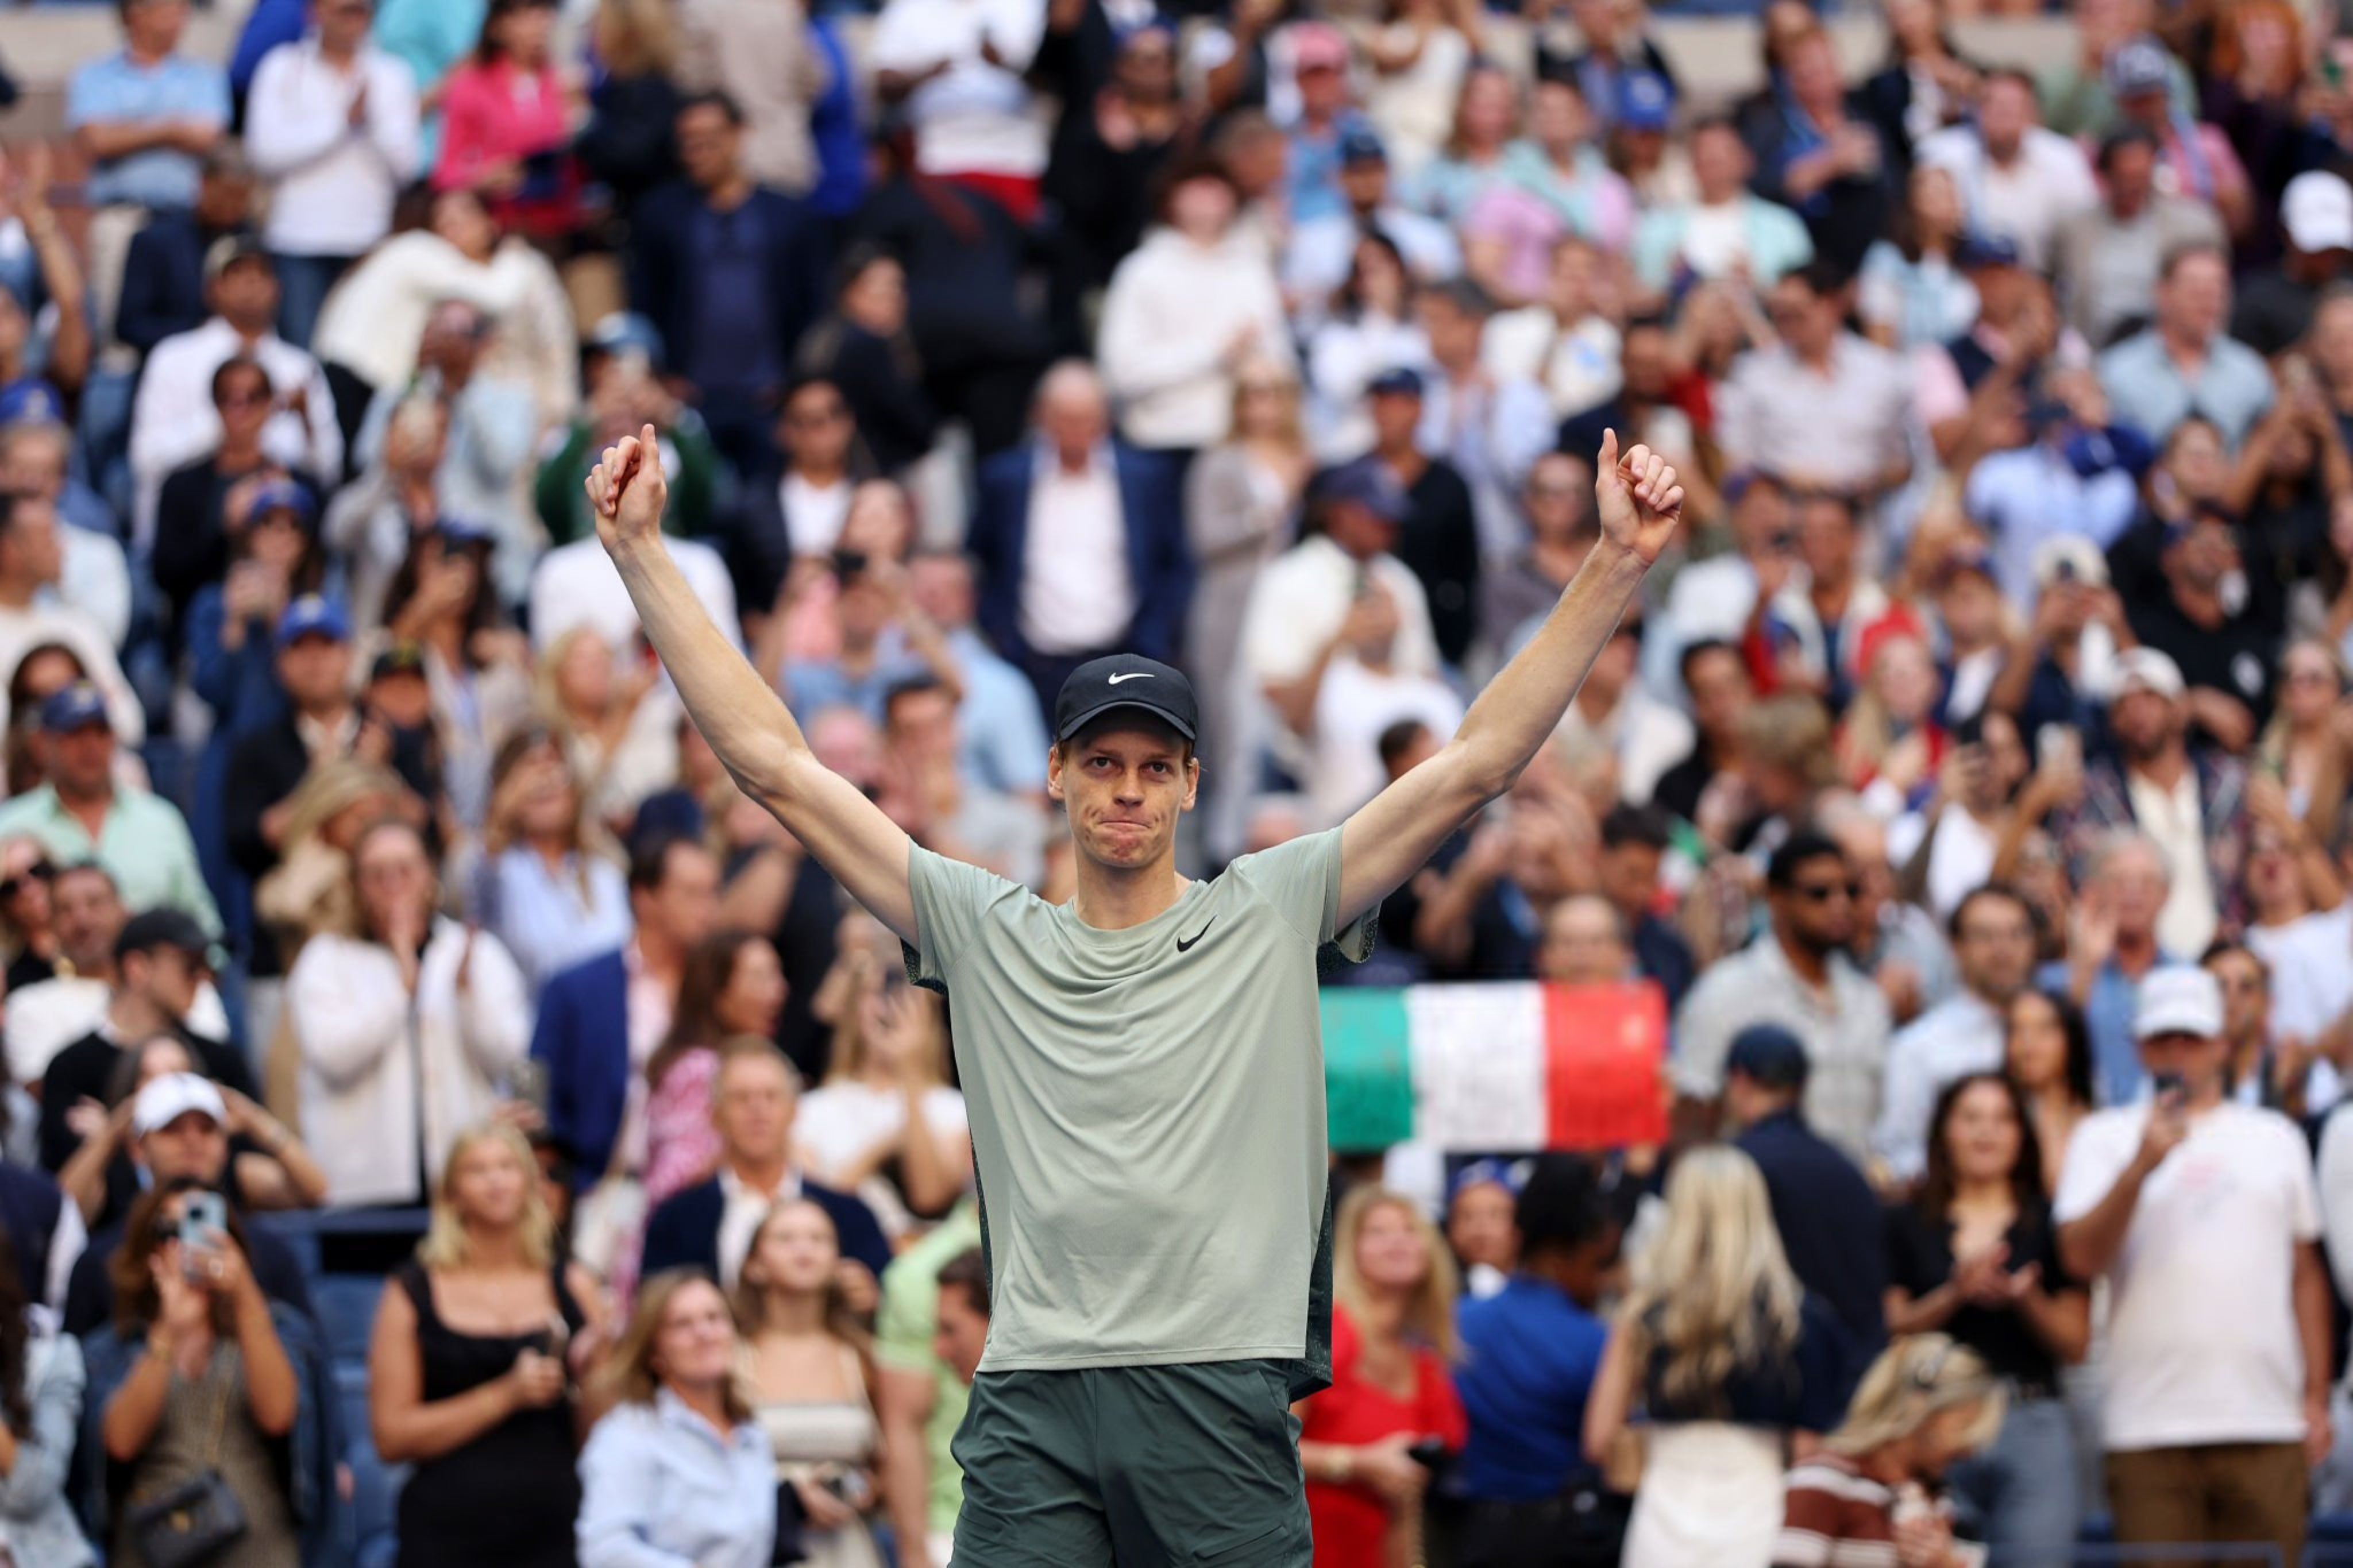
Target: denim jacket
{"x":312,"y":1448}
{"x":36,"y":1524}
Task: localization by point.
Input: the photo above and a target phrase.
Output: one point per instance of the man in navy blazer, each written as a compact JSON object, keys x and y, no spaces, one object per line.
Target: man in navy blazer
{"x":1080,"y":540}
{"x":710,"y":1226}
{"x":600,"y":1020}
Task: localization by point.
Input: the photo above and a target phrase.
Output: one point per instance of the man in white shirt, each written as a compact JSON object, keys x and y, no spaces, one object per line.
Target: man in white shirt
{"x":1993,"y":940}
{"x":1821,"y":407}
{"x":173,"y":421}
{"x":331,"y":122}
{"x":1079,"y":539}
{"x":2016,"y":179}
{"x":2204,"y":1219}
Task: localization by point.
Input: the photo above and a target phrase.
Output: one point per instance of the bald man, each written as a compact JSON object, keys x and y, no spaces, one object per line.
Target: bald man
{"x":1079,"y":539}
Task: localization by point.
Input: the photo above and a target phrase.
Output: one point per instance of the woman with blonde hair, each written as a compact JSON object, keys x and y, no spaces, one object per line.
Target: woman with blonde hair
{"x":679,"y":1471}
{"x":1720,"y":1346}
{"x":1868,"y":1493}
{"x":2304,"y":746}
{"x":1393,"y":1290}
{"x":617,"y":727}
{"x":629,"y":143}
{"x":809,"y":1367}
{"x":548,"y":892}
{"x":469,"y":1371}
{"x":884,"y":1124}
{"x":1241,"y":510}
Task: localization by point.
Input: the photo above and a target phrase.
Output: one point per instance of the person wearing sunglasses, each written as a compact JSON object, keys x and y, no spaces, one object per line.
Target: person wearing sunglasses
{"x":26,"y":873}
{"x":1799,"y":974}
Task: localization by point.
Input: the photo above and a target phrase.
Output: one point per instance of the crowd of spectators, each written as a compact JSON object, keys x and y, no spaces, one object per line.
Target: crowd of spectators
{"x":1971,"y":785}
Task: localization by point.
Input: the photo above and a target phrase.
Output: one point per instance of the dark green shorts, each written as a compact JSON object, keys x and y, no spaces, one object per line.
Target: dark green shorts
{"x":1140,"y":1467}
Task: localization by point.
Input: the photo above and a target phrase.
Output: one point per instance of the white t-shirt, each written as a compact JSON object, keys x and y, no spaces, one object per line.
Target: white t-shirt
{"x":813,"y":514}
{"x":1353,"y":705}
{"x":2203,"y":1339}
{"x":837,"y":1123}
{"x":2311,"y":961}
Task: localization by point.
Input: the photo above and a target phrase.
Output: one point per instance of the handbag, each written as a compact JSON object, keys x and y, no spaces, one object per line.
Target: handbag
{"x":194,"y":1523}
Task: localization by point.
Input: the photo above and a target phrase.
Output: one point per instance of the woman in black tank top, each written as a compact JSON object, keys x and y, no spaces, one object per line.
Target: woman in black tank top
{"x":471,"y":1372}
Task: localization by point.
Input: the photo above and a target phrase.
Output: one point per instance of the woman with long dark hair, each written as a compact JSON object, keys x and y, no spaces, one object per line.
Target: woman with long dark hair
{"x":1976,"y":1256}
{"x":809,"y":1367}
{"x":2048,"y":1055}
{"x":477,"y":666}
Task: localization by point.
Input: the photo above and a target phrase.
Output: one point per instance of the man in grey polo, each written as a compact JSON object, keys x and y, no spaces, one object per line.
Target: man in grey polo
{"x":1143,"y":1063}
{"x":1797,"y":975}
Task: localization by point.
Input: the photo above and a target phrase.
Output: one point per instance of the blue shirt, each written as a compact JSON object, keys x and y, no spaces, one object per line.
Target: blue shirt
{"x":819,"y":685}
{"x":1001,"y":735}
{"x":2107,"y":1018}
{"x":2145,"y":390}
{"x":118,"y":90}
{"x":1315,"y":179}
{"x":1529,"y":1355}
{"x":659,"y":1486}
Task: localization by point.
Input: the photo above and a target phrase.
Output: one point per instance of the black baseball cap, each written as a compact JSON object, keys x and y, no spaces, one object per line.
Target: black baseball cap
{"x":162,"y":927}
{"x":1125,"y":680}
{"x":1768,"y":1056}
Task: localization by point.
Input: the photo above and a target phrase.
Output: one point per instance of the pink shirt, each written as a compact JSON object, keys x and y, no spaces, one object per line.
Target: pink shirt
{"x":494,"y":113}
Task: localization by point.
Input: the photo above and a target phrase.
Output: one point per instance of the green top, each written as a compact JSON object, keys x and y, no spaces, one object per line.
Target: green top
{"x":1147,"y":1110}
{"x":903,"y":1341}
{"x":144,"y":844}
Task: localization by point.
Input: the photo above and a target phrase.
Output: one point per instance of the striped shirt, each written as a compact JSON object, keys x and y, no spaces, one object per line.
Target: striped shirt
{"x":1836,"y":1517}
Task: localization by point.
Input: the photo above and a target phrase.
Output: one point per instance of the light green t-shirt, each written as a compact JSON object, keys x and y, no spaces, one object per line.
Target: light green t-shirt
{"x":904,"y":1332}
{"x":1147,"y":1110}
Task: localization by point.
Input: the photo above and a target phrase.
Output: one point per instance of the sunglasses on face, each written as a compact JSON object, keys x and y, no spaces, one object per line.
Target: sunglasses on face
{"x":243,"y":399}
{"x":39,"y":871}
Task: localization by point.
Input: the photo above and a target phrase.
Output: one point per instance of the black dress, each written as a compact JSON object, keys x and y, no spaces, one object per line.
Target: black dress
{"x":508,"y":1499}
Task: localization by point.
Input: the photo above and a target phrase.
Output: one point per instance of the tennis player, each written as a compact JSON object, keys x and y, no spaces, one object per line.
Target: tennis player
{"x":1144,"y":1064}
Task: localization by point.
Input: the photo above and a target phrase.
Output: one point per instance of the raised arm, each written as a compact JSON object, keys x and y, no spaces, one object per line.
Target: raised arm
{"x":746,"y":724}
{"x":1393,"y":833}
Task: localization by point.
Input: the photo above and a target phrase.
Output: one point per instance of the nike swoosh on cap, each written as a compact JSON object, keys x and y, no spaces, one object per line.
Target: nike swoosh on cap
{"x":1131,"y":675}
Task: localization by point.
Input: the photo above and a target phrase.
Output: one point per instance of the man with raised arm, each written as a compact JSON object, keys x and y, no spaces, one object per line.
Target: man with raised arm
{"x":1143,"y":1063}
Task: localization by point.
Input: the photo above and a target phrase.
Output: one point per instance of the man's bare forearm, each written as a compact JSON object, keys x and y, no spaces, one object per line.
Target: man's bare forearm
{"x":1526,"y":702}
{"x":748,"y":725}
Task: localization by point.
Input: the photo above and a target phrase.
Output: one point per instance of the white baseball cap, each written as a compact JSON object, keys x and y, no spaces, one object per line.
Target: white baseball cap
{"x":2316,"y":209}
{"x":2148,"y":669}
{"x":172,"y":1096}
{"x":2178,"y":999}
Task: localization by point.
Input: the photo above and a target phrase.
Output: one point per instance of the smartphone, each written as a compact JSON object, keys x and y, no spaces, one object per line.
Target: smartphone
{"x":2053,"y":742}
{"x":527,"y":1082}
{"x":204,"y":1220}
{"x":2165,"y":1083}
{"x":1429,"y":1453}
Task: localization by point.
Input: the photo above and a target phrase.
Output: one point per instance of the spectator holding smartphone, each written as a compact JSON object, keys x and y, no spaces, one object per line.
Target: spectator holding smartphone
{"x":2203,"y":1214}
{"x":198,"y":1382}
{"x":468,"y":1370}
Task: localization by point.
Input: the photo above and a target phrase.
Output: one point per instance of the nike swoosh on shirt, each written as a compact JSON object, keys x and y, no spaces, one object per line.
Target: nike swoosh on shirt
{"x":1185,"y":945}
{"x":1131,"y":675}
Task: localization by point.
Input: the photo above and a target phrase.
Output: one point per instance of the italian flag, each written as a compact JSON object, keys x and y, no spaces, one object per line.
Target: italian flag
{"x":1494,"y":1067}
